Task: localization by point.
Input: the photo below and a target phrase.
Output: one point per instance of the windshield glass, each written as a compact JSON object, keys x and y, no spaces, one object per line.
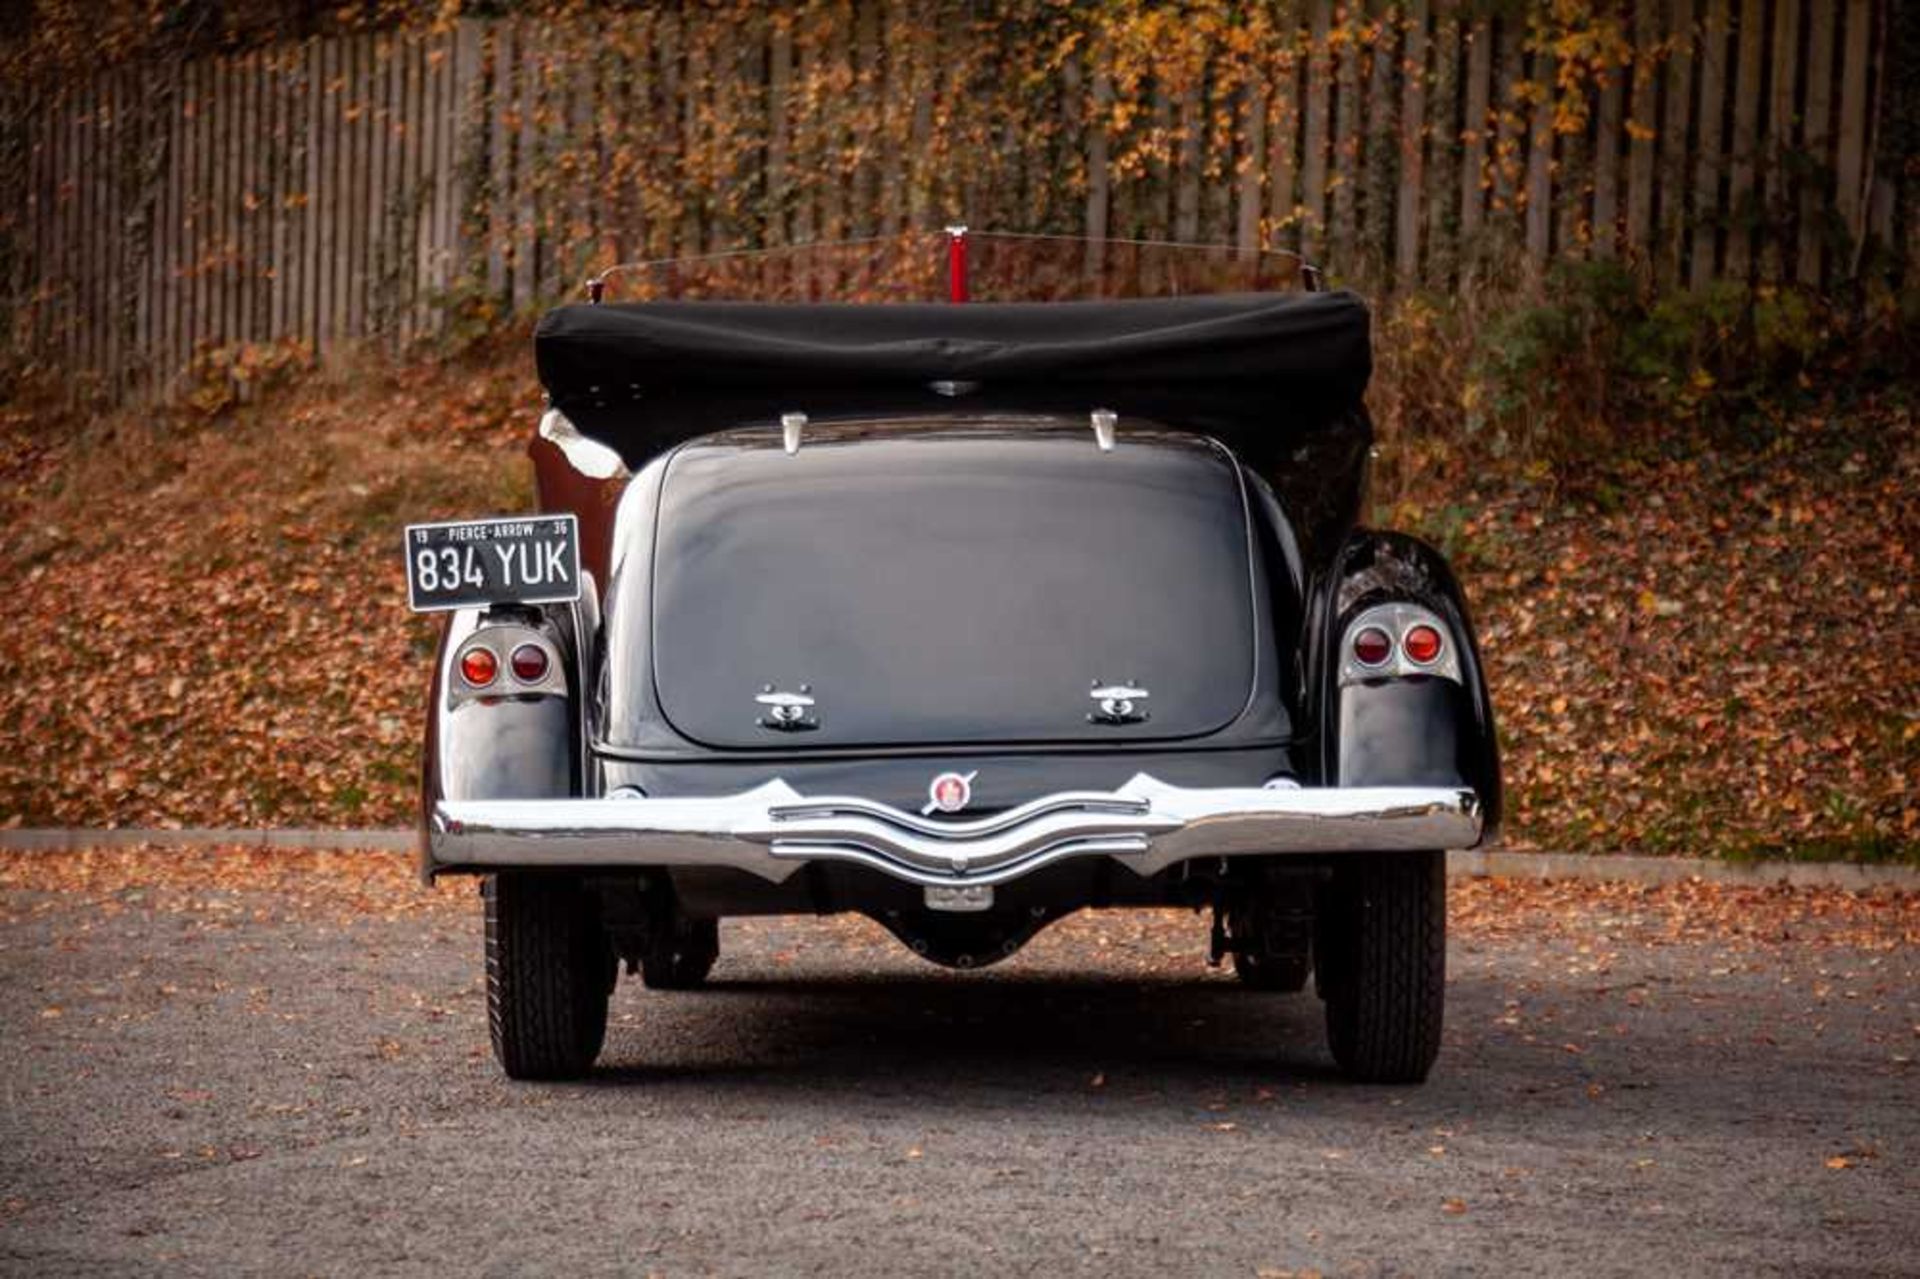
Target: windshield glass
{"x":977,"y":266}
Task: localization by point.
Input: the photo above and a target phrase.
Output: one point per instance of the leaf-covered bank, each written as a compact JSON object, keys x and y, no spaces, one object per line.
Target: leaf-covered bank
{"x":1696,"y":649}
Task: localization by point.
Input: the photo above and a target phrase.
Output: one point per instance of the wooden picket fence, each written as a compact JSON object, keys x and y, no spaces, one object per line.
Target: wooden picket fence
{"x":381,"y":187}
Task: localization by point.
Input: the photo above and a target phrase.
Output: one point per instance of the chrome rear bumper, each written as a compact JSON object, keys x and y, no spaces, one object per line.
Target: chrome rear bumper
{"x":773,"y":830}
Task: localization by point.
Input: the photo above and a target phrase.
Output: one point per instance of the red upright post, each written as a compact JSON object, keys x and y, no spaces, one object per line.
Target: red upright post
{"x":956,"y":264}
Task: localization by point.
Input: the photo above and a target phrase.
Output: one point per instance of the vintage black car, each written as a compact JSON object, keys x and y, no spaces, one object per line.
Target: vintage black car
{"x":963,"y":617}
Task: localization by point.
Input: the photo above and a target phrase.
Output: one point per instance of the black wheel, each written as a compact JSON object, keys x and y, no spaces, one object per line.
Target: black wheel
{"x":1382,"y":952}
{"x":549,"y":973}
{"x":1283,"y":973}
{"x":680,"y":953}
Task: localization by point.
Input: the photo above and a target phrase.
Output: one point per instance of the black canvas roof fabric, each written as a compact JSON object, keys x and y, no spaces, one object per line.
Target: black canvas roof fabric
{"x":1263,"y":345}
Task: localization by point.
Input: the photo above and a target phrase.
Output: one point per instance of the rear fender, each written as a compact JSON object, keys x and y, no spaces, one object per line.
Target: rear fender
{"x":1417,"y":730}
{"x":506,"y":747}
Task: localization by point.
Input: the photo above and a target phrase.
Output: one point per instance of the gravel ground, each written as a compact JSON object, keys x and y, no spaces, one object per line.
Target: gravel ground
{"x":246,"y":1078}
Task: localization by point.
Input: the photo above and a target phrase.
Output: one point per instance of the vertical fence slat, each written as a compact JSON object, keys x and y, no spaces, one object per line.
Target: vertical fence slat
{"x":1849,"y":198}
{"x":1539,"y":142}
{"x":1709,"y":156}
{"x":437,"y":105}
{"x":1380,"y":139}
{"x":1413,"y":127}
{"x":357,"y":128}
{"x":1186,"y":209}
{"x":62,"y":302}
{"x":213,"y":325}
{"x":396,"y":200}
{"x":377,"y":316}
{"x":1099,"y":122}
{"x":239,"y":166}
{"x":193,"y":294}
{"x":113,"y":249}
{"x":1478,"y":128}
{"x":1283,"y":147}
{"x":526,"y":173}
{"x":1741,"y":215}
{"x":358,"y":125}
{"x":503,"y":68}
{"x":1776,"y":222}
{"x":1643,"y":123}
{"x":78,"y":194}
{"x":164,"y":104}
{"x":779,"y":128}
{"x":1672,"y":217}
{"x":1880,"y":195}
{"x":424,"y":54}
{"x":312,"y":254}
{"x":1254,"y":110}
{"x":1606,"y":163}
{"x":174,"y":223}
{"x":34,"y":207}
{"x":278,"y":185}
{"x":1510,"y":131}
{"x":73,"y":194}
{"x":458,"y":117}
{"x":246,"y":193}
{"x":1816,"y":142}
{"x":1313,"y":164}
{"x":893,"y":39}
{"x":256,"y":152}
{"x":1347,"y":88}
{"x":329,"y":204}
{"x":1442,"y":131}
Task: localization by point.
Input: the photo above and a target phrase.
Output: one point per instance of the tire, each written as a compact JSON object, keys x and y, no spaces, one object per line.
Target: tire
{"x":550,"y":971}
{"x":1285,"y":974}
{"x":681,"y":954}
{"x":1383,"y":964}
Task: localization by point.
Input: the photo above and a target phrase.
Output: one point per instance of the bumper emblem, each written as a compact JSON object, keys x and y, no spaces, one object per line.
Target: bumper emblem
{"x":949,"y":793}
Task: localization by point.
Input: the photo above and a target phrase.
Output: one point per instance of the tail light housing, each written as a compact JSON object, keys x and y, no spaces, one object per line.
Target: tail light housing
{"x":505,"y":660}
{"x":1398,"y":640}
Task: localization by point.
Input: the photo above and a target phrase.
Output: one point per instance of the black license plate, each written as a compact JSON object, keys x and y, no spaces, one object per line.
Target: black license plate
{"x":464,"y":563}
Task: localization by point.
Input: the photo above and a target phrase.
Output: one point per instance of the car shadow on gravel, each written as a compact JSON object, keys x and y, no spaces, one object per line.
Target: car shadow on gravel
{"x":851,"y":1033}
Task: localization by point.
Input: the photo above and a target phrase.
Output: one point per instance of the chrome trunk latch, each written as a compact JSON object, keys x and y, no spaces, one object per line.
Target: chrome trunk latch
{"x":787,"y":712}
{"x":791,"y":425}
{"x":1104,"y":422}
{"x":1117,"y":703}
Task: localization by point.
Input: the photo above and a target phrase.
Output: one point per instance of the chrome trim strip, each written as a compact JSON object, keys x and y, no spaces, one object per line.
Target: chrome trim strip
{"x":772,"y":830}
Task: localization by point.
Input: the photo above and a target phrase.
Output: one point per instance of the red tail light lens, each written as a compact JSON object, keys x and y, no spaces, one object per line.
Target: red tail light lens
{"x":529,"y":663}
{"x":479,"y":667}
{"x":1372,"y":646}
{"x":1422,"y":644}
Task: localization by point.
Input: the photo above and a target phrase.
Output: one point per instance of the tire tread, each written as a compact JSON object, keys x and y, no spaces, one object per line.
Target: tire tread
{"x":1386,"y":1000}
{"x":547,"y":978}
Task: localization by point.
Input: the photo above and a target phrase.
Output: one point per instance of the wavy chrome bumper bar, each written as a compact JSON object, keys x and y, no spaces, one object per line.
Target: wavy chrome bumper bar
{"x":772,"y":830}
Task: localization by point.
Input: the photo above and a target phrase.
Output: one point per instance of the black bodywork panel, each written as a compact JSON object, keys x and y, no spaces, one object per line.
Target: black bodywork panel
{"x":960,"y":581}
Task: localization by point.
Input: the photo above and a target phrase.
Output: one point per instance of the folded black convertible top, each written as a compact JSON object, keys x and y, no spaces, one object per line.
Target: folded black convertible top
{"x":1273,"y":338}
{"x":635,"y":374}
